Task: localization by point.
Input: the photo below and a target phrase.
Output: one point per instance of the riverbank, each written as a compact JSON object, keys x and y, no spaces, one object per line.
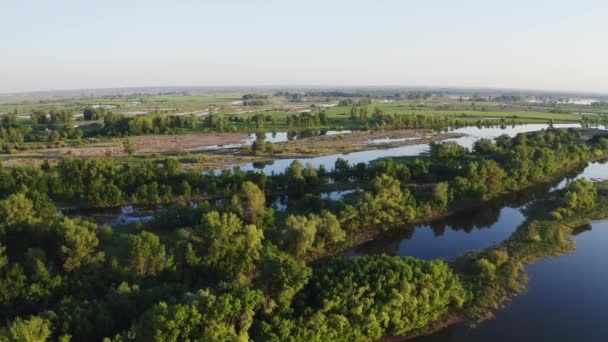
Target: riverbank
{"x":369,"y":234}
{"x":538,"y":238}
{"x":215,"y":151}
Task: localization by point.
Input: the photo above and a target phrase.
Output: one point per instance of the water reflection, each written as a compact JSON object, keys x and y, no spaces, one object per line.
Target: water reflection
{"x":450,"y":237}
{"x":565,"y":301}
{"x":273,"y":137}
{"x":447,"y":238}
{"x":473,"y":134}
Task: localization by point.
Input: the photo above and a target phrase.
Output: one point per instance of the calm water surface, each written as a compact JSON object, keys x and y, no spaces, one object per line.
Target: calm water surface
{"x":567,"y":299}
{"x":473,"y":134}
{"x":478,"y":229}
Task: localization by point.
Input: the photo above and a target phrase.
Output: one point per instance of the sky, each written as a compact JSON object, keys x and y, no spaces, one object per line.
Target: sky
{"x":76,"y":44}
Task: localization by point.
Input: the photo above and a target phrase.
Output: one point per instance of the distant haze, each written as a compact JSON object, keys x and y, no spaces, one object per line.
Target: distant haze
{"x":551,"y":45}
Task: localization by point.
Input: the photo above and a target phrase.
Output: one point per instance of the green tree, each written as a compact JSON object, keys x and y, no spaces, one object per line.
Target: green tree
{"x":202,"y":316}
{"x":446,"y":149}
{"x":250,"y":203}
{"x":229,"y":246}
{"x":329,"y":230}
{"x":282,"y":276}
{"x":146,"y":254}
{"x":79,"y":243}
{"x":33,"y":329}
{"x":484,"y":146}
{"x":385,"y":295}
{"x":128,"y":146}
{"x":300,"y":233}
{"x":3,"y":258}
{"x":17,"y":209}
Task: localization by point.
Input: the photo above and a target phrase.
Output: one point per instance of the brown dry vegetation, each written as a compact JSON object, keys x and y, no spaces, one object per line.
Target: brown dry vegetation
{"x":215,"y":159}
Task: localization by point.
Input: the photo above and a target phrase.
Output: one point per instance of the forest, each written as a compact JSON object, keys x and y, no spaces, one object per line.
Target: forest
{"x":218,"y":262}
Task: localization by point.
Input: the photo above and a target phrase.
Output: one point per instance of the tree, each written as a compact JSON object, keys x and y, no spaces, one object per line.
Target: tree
{"x":250,"y":203}
{"x":329,"y":230}
{"x":33,"y":329}
{"x":503,"y":141}
{"x":484,"y":146}
{"x":202,"y":316}
{"x":146,"y":254}
{"x":441,"y":194}
{"x":17,"y":209}
{"x":3,"y":258}
{"x":227,"y":245}
{"x":172,"y":166}
{"x":128,"y":146}
{"x":300,"y":234}
{"x":294,"y":172}
{"x":446,"y":149}
{"x":282,"y":276}
{"x":39,"y":117}
{"x":9,"y":120}
{"x":323,"y":118}
{"x":385,"y":295}
{"x":79,"y":243}
{"x":295,"y":177}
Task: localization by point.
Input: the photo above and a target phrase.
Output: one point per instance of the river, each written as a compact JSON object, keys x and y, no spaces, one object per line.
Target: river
{"x":566,"y":300}
{"x":472,"y":230}
{"x":472,"y":134}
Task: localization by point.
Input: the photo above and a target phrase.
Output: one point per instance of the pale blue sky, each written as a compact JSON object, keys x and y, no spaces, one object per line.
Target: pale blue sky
{"x":530,"y":44}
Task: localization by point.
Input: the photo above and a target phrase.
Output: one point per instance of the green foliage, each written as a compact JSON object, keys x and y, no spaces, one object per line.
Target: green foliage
{"x":485,"y":146}
{"x":202,"y":316}
{"x":17,"y":209}
{"x":250,"y":203}
{"x":92,"y":281}
{"x":300,"y":234}
{"x":146,"y":254}
{"x":128,"y":146}
{"x":383,"y":295}
{"x":226,"y":245}
{"x":79,"y":243}
{"x":580,"y":197}
{"x":33,"y":329}
{"x":446,"y":149}
{"x":282,"y":277}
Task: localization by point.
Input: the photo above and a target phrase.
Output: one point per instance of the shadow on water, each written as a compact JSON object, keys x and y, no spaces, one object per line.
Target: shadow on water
{"x":566,"y":299}
{"x":473,"y":229}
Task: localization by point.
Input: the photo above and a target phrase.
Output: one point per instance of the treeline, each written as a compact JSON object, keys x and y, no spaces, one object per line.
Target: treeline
{"x":47,"y":127}
{"x":495,"y":275}
{"x":307,"y":120}
{"x":254,"y":99}
{"x":351,"y":102}
{"x":122,"y":125}
{"x":594,"y":121}
{"x":378,"y":119}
